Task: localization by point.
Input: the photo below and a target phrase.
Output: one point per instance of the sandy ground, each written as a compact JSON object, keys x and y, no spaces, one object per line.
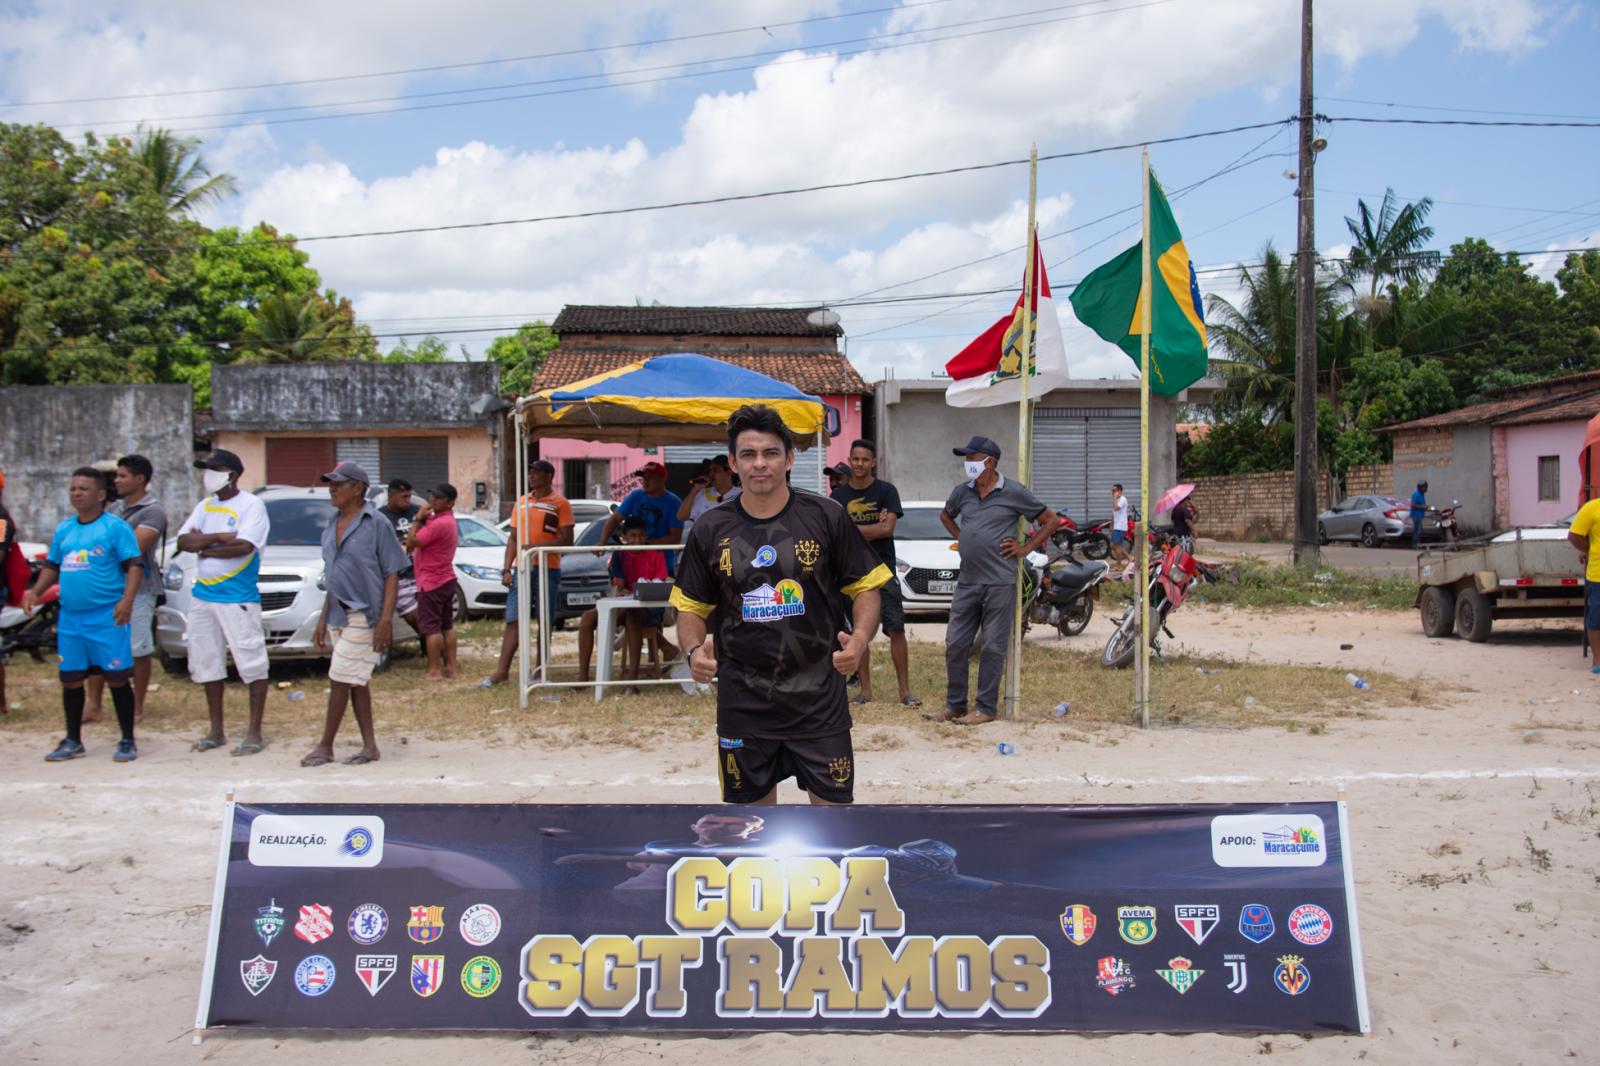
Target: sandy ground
{"x":1475,"y":823}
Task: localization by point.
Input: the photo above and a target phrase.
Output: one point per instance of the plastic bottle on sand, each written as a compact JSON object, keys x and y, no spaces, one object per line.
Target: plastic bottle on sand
{"x":1358,"y":682}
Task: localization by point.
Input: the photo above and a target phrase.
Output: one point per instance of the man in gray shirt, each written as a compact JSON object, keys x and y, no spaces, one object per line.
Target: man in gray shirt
{"x":982,"y":514}
{"x":361,"y":564}
{"x":140,"y":509}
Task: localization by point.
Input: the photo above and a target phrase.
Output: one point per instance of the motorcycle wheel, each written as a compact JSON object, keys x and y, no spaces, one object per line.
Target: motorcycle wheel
{"x":1097,"y":546}
{"x":1120,"y":646}
{"x":1075,"y":619}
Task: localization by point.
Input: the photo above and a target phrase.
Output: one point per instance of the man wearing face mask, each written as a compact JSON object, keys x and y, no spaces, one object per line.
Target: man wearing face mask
{"x":226,"y":530}
{"x":982,"y":514}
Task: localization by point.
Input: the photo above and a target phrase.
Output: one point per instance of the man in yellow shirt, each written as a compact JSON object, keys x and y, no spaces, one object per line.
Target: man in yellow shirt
{"x":1585,"y":536}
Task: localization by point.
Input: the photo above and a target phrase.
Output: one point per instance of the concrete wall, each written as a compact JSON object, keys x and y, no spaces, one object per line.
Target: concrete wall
{"x":472,"y":455}
{"x":47,"y":430}
{"x":1261,"y":506}
{"x":351,"y":396}
{"x":1523,"y":447}
{"x":916,"y":431}
{"x":1457,"y":464}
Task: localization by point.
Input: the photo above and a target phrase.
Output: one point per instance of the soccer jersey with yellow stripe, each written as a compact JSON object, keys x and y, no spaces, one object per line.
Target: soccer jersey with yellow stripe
{"x":776,"y":592}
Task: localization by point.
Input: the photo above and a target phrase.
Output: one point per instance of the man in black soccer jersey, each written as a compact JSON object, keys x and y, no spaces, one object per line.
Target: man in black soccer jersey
{"x":770,"y":572}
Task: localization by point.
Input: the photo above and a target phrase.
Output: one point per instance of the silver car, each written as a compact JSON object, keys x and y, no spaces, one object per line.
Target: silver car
{"x":1372,"y":520}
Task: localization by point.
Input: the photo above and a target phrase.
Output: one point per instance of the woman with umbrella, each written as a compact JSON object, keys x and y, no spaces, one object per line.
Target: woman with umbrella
{"x":1184,"y":513}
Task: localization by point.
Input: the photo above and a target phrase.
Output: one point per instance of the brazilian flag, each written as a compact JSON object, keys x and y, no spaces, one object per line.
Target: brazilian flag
{"x":1109,"y":302}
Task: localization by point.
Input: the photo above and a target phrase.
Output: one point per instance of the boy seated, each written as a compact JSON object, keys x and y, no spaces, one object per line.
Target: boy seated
{"x":627,"y":569}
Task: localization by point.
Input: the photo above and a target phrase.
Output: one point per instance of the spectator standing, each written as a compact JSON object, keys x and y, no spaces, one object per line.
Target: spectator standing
{"x":657,"y":506}
{"x":8,"y":540}
{"x":838,"y":474}
{"x":982,"y":514}
{"x":772,"y":571}
{"x":712,"y":486}
{"x":1119,"y":523}
{"x":1584,"y":534}
{"x":227,"y":530}
{"x":96,"y":558}
{"x":399,"y":511}
{"x":361,"y":565}
{"x":874,"y":506}
{"x":1184,"y":516}
{"x":138,"y":507}
{"x":1419,"y":510}
{"x":432,"y":543}
{"x":541,"y":517}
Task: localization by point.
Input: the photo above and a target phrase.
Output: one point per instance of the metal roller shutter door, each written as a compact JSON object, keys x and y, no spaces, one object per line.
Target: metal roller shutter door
{"x":807,"y":464}
{"x":298,"y":461}
{"x":1059,"y":461}
{"x":1113,"y":458}
{"x":363,"y":450}
{"x":423,"y":461}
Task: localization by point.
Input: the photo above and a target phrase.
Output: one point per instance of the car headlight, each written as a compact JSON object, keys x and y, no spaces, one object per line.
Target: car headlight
{"x":172,"y":577}
{"x":902,"y":567}
{"x":480,"y":573}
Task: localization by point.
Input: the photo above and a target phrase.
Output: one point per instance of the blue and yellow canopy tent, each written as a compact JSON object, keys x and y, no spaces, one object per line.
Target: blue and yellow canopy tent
{"x":679,"y":398}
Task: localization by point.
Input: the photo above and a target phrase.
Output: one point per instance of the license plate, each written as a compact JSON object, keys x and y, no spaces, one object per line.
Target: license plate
{"x":583,"y":597}
{"x":939,"y":588}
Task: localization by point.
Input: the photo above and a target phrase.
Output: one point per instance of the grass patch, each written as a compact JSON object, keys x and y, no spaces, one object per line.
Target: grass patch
{"x":1263,"y":585}
{"x":1232,"y":696}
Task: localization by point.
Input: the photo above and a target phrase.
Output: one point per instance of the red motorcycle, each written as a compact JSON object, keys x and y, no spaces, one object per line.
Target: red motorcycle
{"x":1093,"y":542}
{"x":1170,"y":578}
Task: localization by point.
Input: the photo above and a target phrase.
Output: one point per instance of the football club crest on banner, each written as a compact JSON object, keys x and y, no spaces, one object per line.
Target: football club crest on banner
{"x":269,"y":922}
{"x":1197,"y":919}
{"x":314,"y":976}
{"x":1292,"y":976}
{"x":374,"y":971}
{"x":368,"y":923}
{"x":316,"y":923}
{"x":1238,"y":973}
{"x":426,"y":924}
{"x":1255,"y":922}
{"x":480,"y":977}
{"x":1136,"y":925}
{"x":1310,"y":924}
{"x":480,"y":924}
{"x":257,"y":974}
{"x":1113,"y":975}
{"x":427,"y":974}
{"x":1180,"y":974}
{"x":1078,"y":923}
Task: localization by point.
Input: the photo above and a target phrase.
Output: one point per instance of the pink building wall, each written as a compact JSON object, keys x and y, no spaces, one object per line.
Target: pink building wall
{"x":625,"y":459}
{"x":1523,"y":447}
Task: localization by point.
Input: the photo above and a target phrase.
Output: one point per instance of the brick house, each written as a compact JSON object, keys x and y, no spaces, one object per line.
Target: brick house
{"x":1511,"y":462}
{"x":776,"y":341}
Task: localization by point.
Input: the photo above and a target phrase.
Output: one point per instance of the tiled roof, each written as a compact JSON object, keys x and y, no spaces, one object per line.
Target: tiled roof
{"x":1480,"y":414}
{"x":1520,"y":404}
{"x":1572,"y":409}
{"x":692,"y":321}
{"x":817,"y":373}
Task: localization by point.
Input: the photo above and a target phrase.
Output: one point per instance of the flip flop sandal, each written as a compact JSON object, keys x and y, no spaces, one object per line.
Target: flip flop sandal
{"x":248,"y":747}
{"x":911,"y":701}
{"x":358,"y":759}
{"x":859,"y":699}
{"x":206,"y":744}
{"x":316,"y":760}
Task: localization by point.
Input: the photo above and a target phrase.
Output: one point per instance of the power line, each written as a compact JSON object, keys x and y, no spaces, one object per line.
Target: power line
{"x":1457,"y":122}
{"x":562,"y":54}
{"x":1456,"y":110}
{"x":614,"y":74}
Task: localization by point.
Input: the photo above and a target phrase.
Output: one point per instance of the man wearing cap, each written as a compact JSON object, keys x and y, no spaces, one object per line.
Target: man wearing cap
{"x":400,"y":512}
{"x":653,"y":503}
{"x":361,"y":565}
{"x":542,"y":517}
{"x":838,"y":475}
{"x":432,"y":544}
{"x":226,"y":531}
{"x":982,"y":514}
{"x":714,"y":484}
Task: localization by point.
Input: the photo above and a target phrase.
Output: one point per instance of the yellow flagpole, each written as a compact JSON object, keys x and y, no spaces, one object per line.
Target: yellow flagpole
{"x":1142,"y":663}
{"x":1024,"y":461}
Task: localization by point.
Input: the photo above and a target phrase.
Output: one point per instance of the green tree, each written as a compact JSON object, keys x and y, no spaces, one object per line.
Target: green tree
{"x":429,"y":349}
{"x":521,"y":356}
{"x":308,"y":327}
{"x":178,"y":173}
{"x":1389,"y":245}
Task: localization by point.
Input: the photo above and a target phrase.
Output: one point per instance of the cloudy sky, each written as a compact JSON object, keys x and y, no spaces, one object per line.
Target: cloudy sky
{"x":357,"y":116}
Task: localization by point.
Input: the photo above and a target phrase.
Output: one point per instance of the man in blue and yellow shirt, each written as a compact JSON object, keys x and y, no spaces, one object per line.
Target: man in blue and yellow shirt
{"x":1585,"y":536}
{"x":98,"y":562}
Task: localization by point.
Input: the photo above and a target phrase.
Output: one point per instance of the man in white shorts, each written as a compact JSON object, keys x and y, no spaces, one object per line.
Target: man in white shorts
{"x":226,"y":530}
{"x":361,"y":565}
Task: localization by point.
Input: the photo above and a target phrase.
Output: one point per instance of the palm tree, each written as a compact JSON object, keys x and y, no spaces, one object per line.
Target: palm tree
{"x":296,"y":328}
{"x":1389,"y":246}
{"x":178,"y":173}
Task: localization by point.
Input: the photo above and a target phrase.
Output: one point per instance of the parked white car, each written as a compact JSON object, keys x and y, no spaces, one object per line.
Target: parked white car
{"x":926,"y":563}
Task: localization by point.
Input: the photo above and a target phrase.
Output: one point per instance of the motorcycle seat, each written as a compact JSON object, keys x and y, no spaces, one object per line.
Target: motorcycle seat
{"x":1070,"y":573}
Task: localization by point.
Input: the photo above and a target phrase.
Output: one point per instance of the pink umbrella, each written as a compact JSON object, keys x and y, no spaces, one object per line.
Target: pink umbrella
{"x":1172,"y":497}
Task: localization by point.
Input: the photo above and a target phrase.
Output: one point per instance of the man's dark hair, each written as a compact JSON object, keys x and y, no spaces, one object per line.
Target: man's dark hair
{"x":719,"y":460}
{"x":761,"y":419}
{"x":93,"y":475}
{"x":399,"y":484}
{"x":138,"y":466}
{"x":1117,"y":485}
{"x":860,"y":442}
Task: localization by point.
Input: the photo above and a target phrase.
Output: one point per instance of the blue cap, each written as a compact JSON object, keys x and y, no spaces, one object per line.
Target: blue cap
{"x":979,"y":446}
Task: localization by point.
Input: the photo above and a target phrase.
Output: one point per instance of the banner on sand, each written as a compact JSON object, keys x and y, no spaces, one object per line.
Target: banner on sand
{"x":1155,"y":918}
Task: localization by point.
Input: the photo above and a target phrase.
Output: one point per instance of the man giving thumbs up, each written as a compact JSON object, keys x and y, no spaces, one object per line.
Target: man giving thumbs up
{"x":770,"y":572}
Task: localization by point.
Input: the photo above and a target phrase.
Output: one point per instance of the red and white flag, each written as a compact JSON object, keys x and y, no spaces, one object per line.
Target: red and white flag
{"x":988,"y":372}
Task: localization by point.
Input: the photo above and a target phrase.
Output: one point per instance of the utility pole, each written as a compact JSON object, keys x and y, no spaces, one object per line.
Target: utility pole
{"x":1305,"y":326}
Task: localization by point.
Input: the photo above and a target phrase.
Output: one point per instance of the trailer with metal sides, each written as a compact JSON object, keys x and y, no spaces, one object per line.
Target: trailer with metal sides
{"x":1464,"y":588}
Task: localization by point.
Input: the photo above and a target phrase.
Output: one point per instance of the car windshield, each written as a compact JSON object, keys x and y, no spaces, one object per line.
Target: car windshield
{"x":920,"y":523}
{"x":590,"y":535}
{"x":472,"y":533}
{"x":298,"y":522}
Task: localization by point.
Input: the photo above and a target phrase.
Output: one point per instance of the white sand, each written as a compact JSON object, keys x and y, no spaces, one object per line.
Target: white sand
{"x":111,"y":866}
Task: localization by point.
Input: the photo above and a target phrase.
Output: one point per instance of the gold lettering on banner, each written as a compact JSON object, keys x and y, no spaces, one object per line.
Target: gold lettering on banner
{"x":884,"y":976}
{"x":751,"y":975}
{"x":819,"y":971}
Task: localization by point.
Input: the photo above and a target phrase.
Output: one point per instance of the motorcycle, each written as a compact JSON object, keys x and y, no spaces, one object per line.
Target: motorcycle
{"x":1094,"y":542}
{"x":1065,"y":593}
{"x":1448,"y":530}
{"x":1170,"y":579}
{"x":33,"y":632}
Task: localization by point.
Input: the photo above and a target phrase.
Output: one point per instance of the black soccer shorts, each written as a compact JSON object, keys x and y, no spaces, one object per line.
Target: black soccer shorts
{"x":750,"y":767}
